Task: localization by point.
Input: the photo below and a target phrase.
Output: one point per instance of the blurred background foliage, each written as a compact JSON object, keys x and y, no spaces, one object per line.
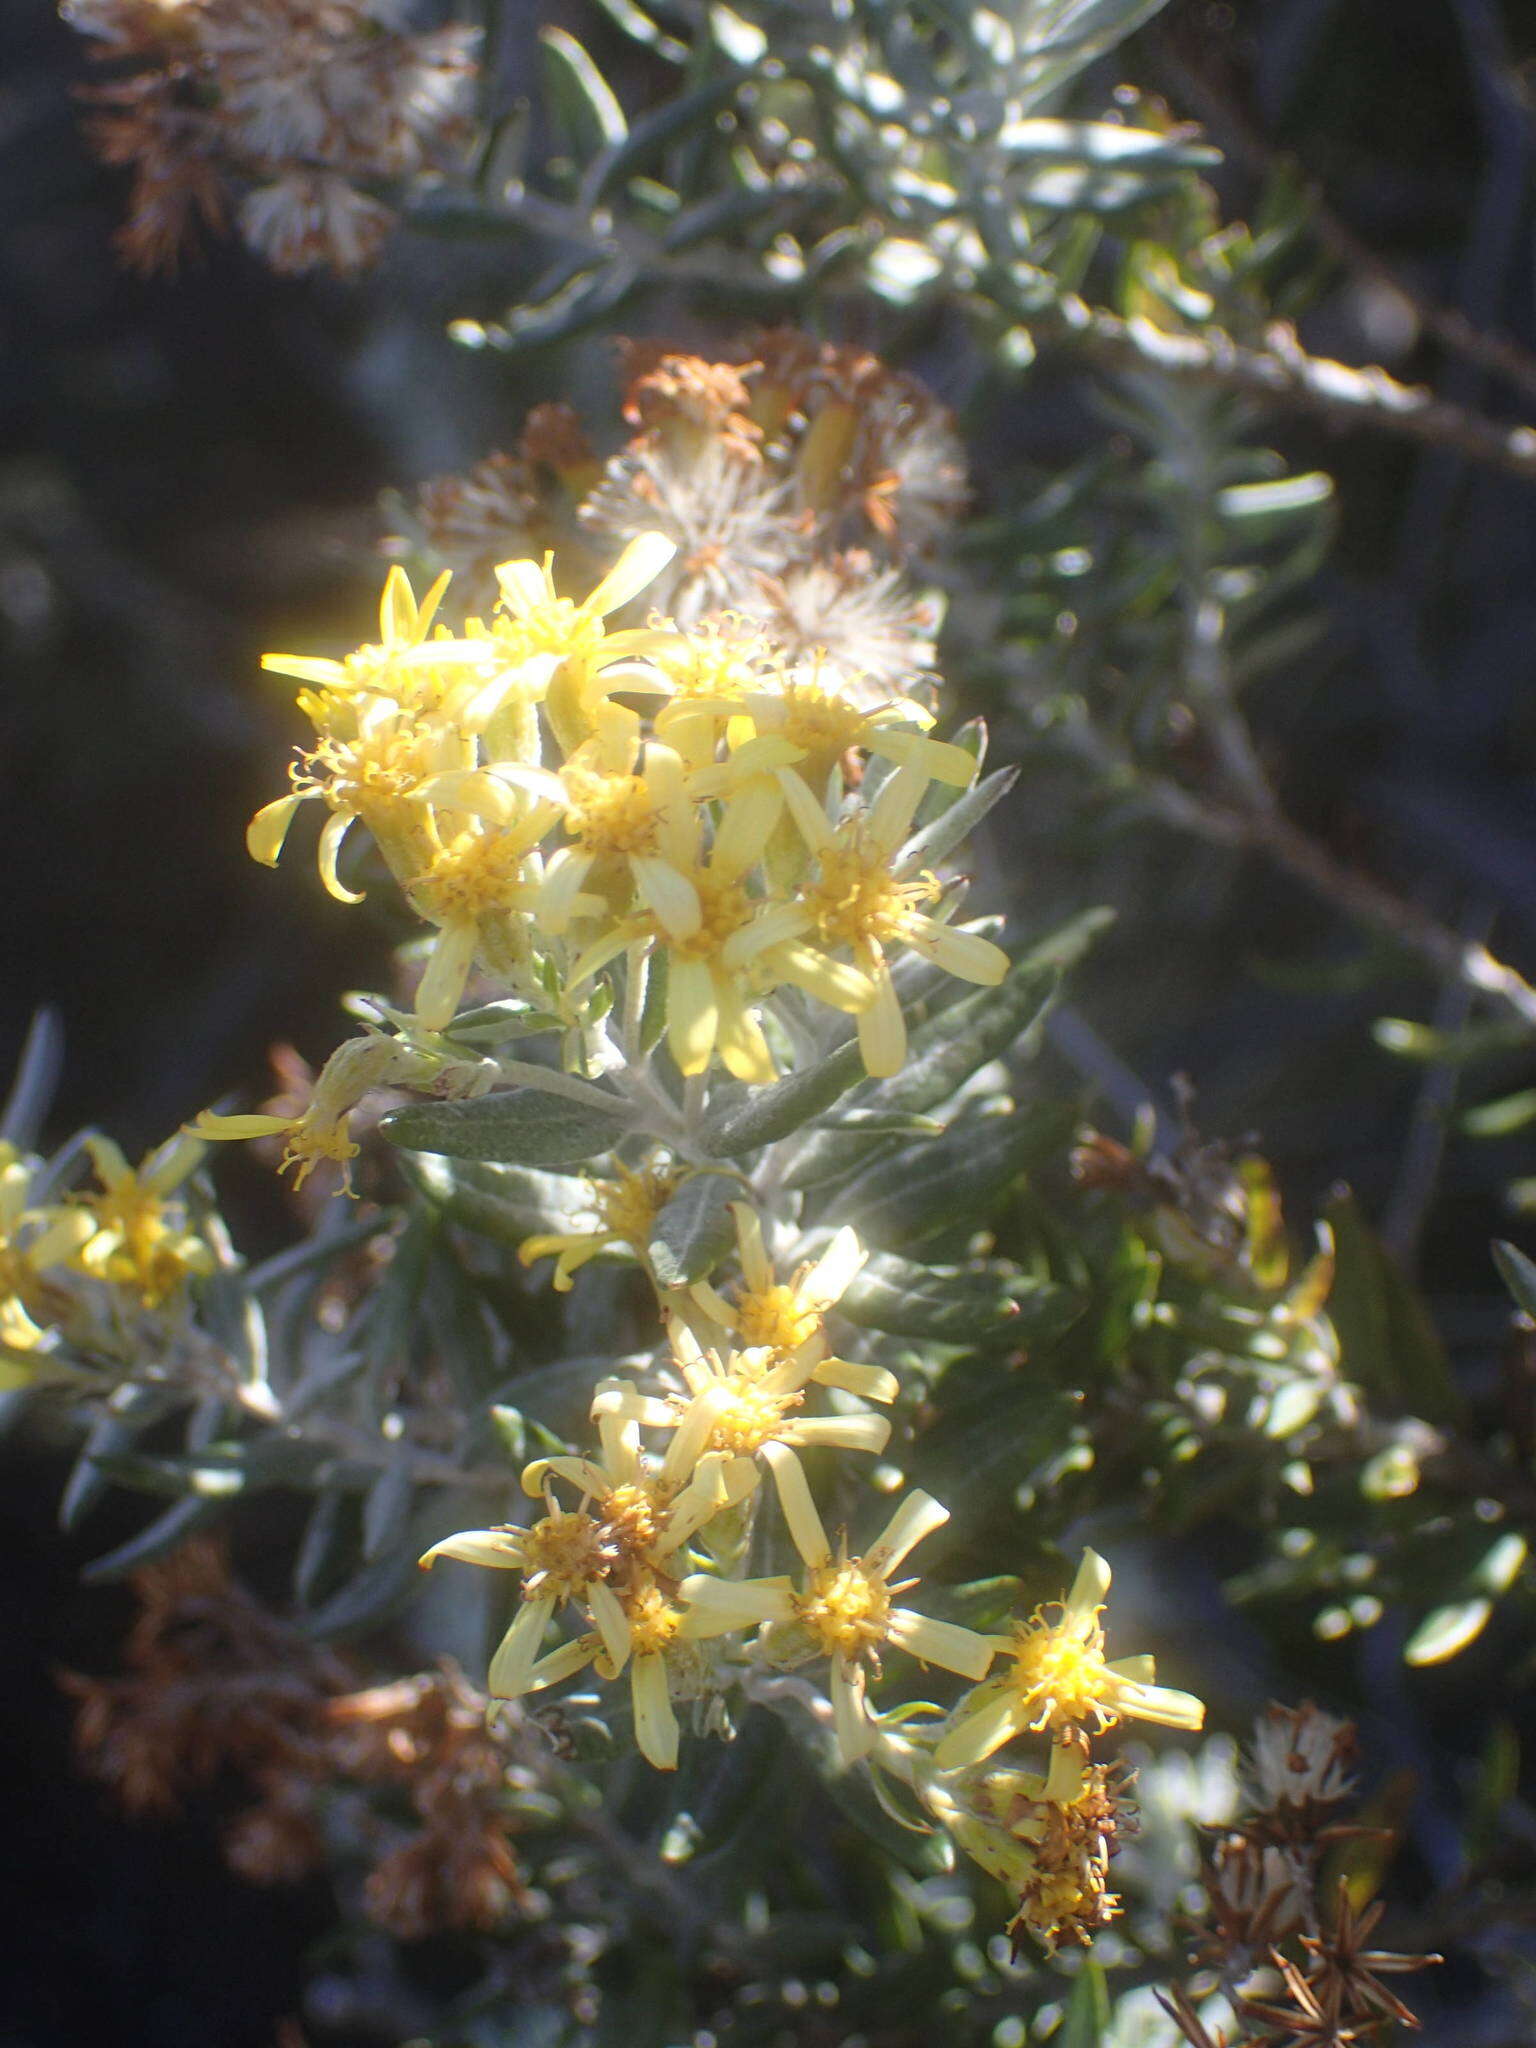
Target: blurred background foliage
{"x":190,"y":472}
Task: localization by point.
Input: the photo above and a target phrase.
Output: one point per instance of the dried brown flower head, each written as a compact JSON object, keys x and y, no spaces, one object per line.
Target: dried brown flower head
{"x":215,"y":1683}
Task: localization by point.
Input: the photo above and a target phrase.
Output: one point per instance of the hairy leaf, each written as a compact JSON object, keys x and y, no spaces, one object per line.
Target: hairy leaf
{"x":694,"y":1231}
{"x":519,"y":1126}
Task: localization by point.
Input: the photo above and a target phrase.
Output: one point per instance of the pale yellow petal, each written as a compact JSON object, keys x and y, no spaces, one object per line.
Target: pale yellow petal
{"x":693,"y":1017}
{"x":635,"y":570}
{"x":718,"y":1607}
{"x":612,"y":1623}
{"x":805,"y":1526}
{"x":833,"y":1273}
{"x":977,"y":1730}
{"x":941,"y":1642}
{"x":512,"y":1666}
{"x":266,"y":832}
{"x":883,"y":1029}
{"x":756,"y":1268}
{"x":337,"y":826}
{"x":964,"y":954}
{"x":500,"y":1548}
{"x":656,"y":1730}
{"x":439,"y":990}
{"x":842,"y":1432}
{"x":915,"y":1518}
{"x":869,"y":1382}
{"x":855,"y":1731}
{"x":668,"y":895}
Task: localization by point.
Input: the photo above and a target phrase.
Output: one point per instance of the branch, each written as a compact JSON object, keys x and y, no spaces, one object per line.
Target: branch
{"x":1282,"y":372}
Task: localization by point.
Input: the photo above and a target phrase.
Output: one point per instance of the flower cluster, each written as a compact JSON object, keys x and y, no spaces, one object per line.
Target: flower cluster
{"x":643,"y":1557}
{"x":283,"y":112}
{"x":740,"y":839}
{"x":85,"y":1274}
{"x":683,"y":839}
{"x":797,"y":480}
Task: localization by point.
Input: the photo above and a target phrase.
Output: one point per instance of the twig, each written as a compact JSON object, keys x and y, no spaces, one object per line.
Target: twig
{"x":1358,"y":895}
{"x":1283,"y":373}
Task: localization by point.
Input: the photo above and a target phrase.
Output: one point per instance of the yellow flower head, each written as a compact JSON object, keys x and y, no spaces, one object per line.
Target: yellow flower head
{"x":142,"y":1240}
{"x":34,"y":1241}
{"x":1056,"y":1678}
{"x":844,"y":1609}
{"x":855,"y":898}
{"x":539,"y":621}
{"x":602,"y":1555}
{"x":1049,"y":1837}
{"x":311,"y":1139}
{"x":625,"y":1204}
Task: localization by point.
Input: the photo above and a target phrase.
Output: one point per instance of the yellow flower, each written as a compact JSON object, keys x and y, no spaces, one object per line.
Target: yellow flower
{"x":788,"y":1319}
{"x":311,"y":1138}
{"x":844,"y":1608}
{"x":373,"y":765}
{"x":665,"y":1662}
{"x":625,"y":1206}
{"x":477,"y":889}
{"x":825,"y":726}
{"x":33,"y":1241}
{"x":374,"y":670}
{"x":322,"y":1132}
{"x":631,"y":1520}
{"x":617,"y":818}
{"x":540,"y":621}
{"x":854,"y":899}
{"x":142,"y":1241}
{"x":1057,"y":1678}
{"x":746,"y":1400}
{"x":713,"y":667}
{"x":1050,"y":1837}
{"x":727,"y":948}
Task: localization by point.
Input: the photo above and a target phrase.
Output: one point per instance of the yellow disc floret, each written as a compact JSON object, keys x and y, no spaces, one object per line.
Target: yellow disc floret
{"x":846,"y":1607}
{"x":563,"y":1554}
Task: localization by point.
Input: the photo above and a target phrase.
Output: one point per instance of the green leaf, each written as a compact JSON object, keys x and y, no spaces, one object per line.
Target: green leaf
{"x":164,"y":1533}
{"x":984,"y":1305}
{"x":694,"y":1231}
{"x":1100,"y":142}
{"x":1388,"y":1344}
{"x":387,"y":1507}
{"x":956,"y":823}
{"x":1518,"y":1274}
{"x":507,"y":1204}
{"x":581,"y":98}
{"x":1446,"y":1631}
{"x":951,"y":1047}
{"x":519,"y":1126}
{"x":1085,"y":2023}
{"x":759,"y":1116}
{"x":953,"y":1181}
{"x":367,"y":1599}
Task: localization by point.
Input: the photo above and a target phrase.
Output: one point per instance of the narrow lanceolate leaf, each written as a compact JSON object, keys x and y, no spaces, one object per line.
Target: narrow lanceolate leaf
{"x":1518,"y":1274}
{"x":1387,"y":1342}
{"x":981,"y":1306}
{"x":954,"y":825}
{"x":521,"y":1126}
{"x":694,"y":1231}
{"x":1085,"y":2023}
{"x":505,"y":1203}
{"x":367,"y":1598}
{"x":580,"y":96}
{"x":164,"y":1533}
{"x":765,"y":1114}
{"x":953,"y":1181}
